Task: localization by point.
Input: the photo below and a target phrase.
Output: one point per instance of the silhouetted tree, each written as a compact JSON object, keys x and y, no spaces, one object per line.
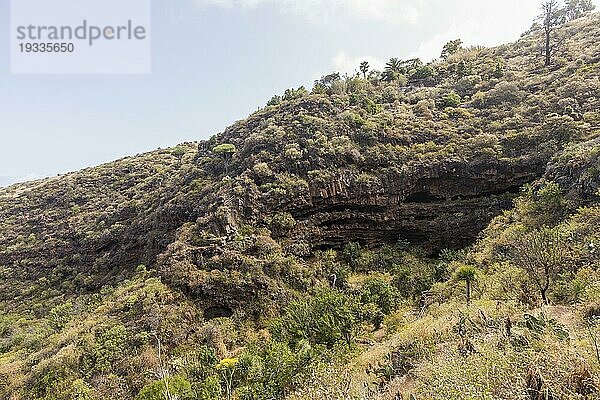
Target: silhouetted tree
{"x":450,"y":48}
{"x":422,"y":73}
{"x":467,"y":274}
{"x":393,"y":68}
{"x":276,"y":99}
{"x":498,"y":71}
{"x":412,"y":63}
{"x":292,"y":94}
{"x":326,"y":82}
{"x":552,"y":16}
{"x":364,"y":68}
{"x":226,"y":151}
{"x":178,"y":152}
{"x":463,"y":69}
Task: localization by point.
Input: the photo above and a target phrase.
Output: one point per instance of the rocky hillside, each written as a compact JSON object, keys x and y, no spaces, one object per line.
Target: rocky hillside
{"x":321,"y":188}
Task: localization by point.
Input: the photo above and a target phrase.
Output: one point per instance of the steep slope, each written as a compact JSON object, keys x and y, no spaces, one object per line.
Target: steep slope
{"x":87,"y":229}
{"x":366,"y":186}
{"x":375,"y":163}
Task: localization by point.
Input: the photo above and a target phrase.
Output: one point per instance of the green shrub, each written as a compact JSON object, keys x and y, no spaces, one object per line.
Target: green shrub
{"x":198,"y":364}
{"x":327,"y":318}
{"x":292,"y":94}
{"x":504,"y":93}
{"x":467,"y":84}
{"x":423,"y":73}
{"x":281,"y":223}
{"x":269,"y":371}
{"x":334,"y":271}
{"x":224,"y":148}
{"x":275,"y":100}
{"x":209,"y":389}
{"x":60,"y":315}
{"x":424,"y":108}
{"x":54,"y":382}
{"x":80,"y":390}
{"x":390,"y":94}
{"x":542,"y":205}
{"x":108,"y":347}
{"x":413,"y":276}
{"x":458,"y":113}
{"x":177,"y":386}
{"x":451,"y":99}
{"x":379,"y":293}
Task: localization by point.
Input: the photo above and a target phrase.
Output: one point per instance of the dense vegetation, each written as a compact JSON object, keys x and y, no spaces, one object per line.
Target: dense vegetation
{"x":430,"y":231}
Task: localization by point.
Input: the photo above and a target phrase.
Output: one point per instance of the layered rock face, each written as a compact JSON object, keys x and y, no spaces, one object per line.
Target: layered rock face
{"x":226,"y":258}
{"x":438,"y":207}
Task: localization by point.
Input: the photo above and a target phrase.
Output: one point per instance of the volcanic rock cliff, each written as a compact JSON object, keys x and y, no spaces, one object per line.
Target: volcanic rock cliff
{"x":355,"y":160}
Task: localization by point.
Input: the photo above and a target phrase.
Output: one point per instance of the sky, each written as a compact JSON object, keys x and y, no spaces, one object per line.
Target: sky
{"x":217,"y":61}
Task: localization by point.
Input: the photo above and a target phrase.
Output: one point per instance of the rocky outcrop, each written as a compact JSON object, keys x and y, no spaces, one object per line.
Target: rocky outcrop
{"x":577,"y":171}
{"x":437,"y":207}
{"x":229,"y":257}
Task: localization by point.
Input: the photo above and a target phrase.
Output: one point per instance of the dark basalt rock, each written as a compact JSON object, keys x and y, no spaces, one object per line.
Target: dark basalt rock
{"x":434,"y":206}
{"x":437,"y":208}
{"x":217,"y":312}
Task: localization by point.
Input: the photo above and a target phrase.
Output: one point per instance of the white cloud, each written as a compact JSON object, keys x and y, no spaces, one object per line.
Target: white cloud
{"x":325,"y":10}
{"x":431,"y":48}
{"x":478,"y":22}
{"x":384,"y":10}
{"x":475,"y":22}
{"x":345,"y":64}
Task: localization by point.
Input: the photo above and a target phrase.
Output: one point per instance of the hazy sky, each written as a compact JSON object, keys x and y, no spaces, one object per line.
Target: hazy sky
{"x":216,"y":61}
